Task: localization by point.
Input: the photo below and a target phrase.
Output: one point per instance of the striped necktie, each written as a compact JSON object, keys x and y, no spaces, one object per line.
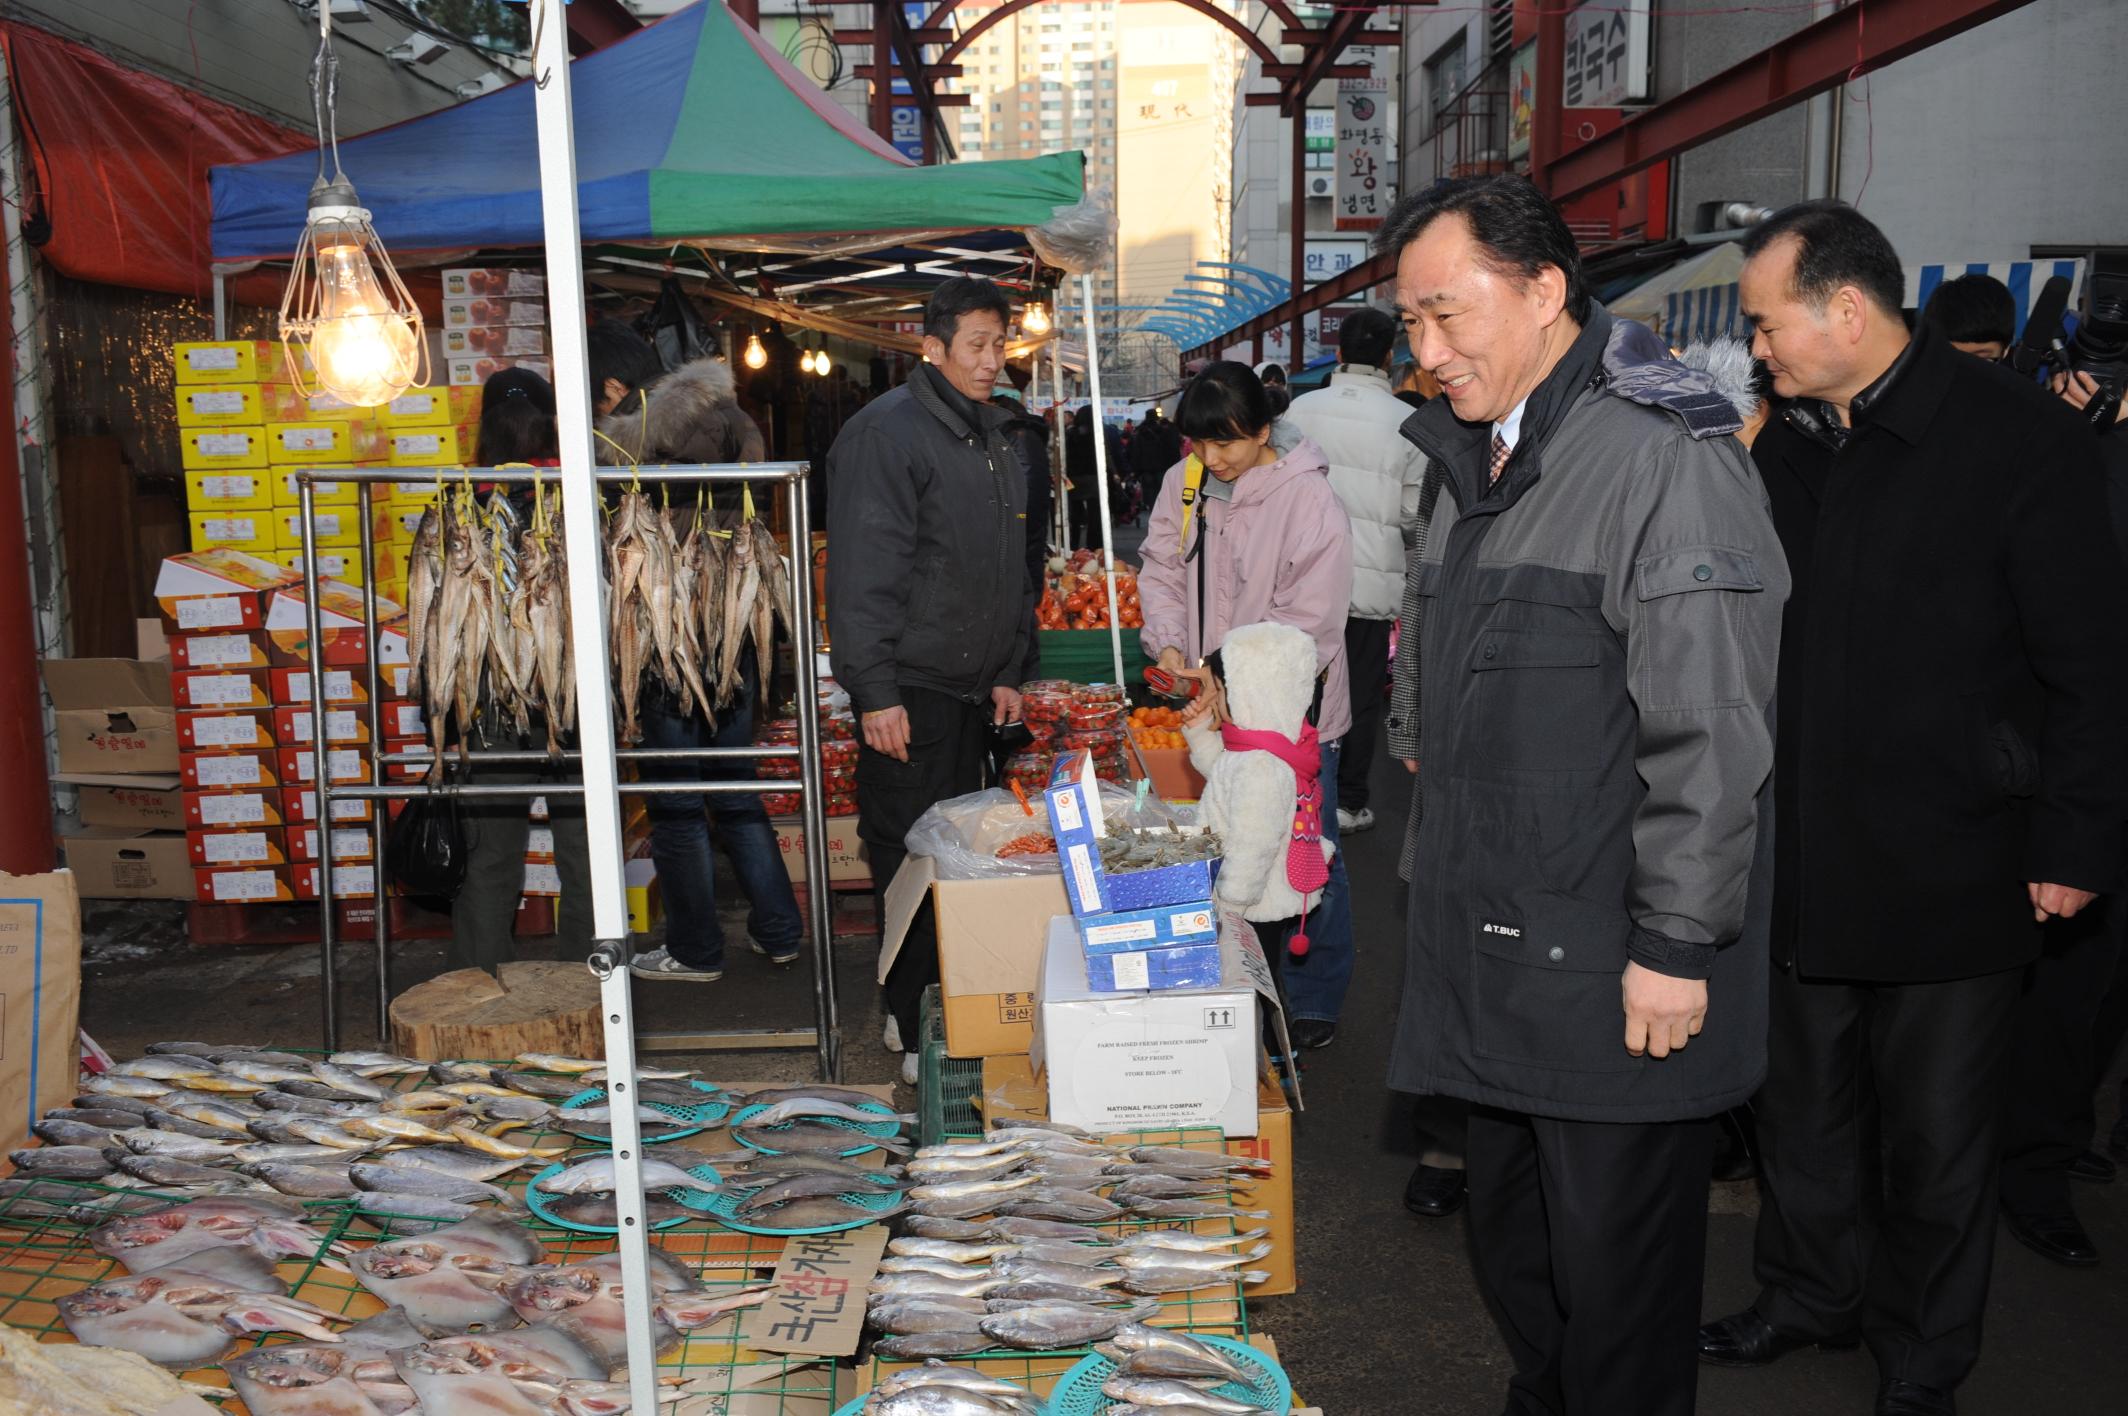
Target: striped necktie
{"x":1501,"y":452}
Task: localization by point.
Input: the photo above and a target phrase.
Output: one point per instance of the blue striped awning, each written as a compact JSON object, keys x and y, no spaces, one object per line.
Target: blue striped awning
{"x":1692,"y":316}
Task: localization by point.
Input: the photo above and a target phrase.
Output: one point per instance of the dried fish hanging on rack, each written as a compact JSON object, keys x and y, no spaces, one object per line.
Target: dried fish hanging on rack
{"x":489,"y":611}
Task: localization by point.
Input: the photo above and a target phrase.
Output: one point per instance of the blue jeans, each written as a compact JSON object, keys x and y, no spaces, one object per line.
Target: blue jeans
{"x":680,"y":835}
{"x":1316,"y":984}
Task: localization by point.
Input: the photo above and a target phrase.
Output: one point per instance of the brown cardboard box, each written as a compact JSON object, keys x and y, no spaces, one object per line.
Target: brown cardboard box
{"x":146,"y":803}
{"x":990,"y":939}
{"x":846,"y":861}
{"x":40,"y":998}
{"x":113,"y":715}
{"x":114,"y":863}
{"x":1012,"y":1088}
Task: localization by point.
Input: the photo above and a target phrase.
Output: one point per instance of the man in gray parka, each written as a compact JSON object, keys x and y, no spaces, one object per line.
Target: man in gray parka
{"x":1598,"y":601}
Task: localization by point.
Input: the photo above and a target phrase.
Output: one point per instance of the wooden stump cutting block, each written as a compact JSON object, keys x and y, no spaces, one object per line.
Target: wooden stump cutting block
{"x":535,"y":1006}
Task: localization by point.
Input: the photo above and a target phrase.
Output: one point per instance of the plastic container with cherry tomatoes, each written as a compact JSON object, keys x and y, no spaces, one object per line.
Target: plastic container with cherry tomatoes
{"x":838,"y":752}
{"x":1045,"y":708}
{"x":1088,"y":717}
{"x":1030,"y":771}
{"x":777,"y":732}
{"x":1101,"y":693}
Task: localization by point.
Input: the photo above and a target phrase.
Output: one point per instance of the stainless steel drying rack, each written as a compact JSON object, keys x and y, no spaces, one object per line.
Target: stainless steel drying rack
{"x":789,"y":480}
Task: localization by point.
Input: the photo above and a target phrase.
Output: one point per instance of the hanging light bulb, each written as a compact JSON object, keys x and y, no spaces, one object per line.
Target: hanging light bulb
{"x":1035,"y":318}
{"x":357,"y":336}
{"x":805,"y":361}
{"x":820,"y":362}
{"x":756,"y":357}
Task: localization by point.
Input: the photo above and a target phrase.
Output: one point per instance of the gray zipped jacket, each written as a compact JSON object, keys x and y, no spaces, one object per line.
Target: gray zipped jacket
{"x":928,"y":584}
{"x":1594,"y":730}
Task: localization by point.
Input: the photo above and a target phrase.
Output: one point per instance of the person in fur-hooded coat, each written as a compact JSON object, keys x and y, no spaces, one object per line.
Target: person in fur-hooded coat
{"x":691,"y":415}
{"x":1251,"y":795}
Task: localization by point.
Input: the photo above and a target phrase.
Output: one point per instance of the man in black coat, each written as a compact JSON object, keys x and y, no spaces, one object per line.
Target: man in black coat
{"x":1949,"y":775}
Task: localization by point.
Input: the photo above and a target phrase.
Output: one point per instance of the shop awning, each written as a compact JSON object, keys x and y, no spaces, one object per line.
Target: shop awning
{"x":693,"y":130}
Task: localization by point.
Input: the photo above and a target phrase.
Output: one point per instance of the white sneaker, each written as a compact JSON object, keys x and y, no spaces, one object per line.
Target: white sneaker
{"x":909,"y":1068}
{"x":891,"y":1034}
{"x":659,"y":963}
{"x":1350,"y":821}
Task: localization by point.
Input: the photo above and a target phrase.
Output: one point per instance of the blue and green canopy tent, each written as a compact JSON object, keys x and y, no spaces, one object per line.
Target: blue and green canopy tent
{"x":694,"y":131}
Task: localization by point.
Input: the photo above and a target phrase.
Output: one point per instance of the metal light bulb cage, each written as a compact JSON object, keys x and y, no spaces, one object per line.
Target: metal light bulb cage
{"x":1035,"y":318}
{"x":336,"y":220}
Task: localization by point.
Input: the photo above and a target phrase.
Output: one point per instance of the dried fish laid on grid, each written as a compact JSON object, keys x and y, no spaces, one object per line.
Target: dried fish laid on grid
{"x":182,"y":1319}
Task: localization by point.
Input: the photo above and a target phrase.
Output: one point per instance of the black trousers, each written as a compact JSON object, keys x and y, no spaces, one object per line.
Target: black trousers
{"x":1367,"y":663}
{"x":484,"y":915}
{"x":2051,"y":1110}
{"x":949,"y":746}
{"x":1590,"y":1239}
{"x":1911,"y":1073}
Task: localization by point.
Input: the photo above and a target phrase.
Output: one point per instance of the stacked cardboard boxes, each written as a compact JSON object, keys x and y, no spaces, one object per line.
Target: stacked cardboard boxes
{"x":118,"y":748}
{"x":494,"y":318}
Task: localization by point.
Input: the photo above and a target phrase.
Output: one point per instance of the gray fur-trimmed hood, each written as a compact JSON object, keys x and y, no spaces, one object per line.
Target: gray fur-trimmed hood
{"x":1637,"y":365}
{"x":1727,"y":361}
{"x":667,"y":415}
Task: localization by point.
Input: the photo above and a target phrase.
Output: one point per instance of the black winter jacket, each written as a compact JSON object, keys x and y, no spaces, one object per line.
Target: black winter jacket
{"x":1954,"y":673}
{"x":927,"y":548}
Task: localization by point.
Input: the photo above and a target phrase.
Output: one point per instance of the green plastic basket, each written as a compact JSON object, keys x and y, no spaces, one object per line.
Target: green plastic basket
{"x":1078,"y":1392}
{"x":692,"y":1120}
{"x":946,"y":1087}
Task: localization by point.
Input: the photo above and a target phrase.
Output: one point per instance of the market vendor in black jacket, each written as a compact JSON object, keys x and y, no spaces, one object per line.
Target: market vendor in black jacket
{"x":930,"y":605}
{"x":1599,"y":599}
{"x":1950,"y":774}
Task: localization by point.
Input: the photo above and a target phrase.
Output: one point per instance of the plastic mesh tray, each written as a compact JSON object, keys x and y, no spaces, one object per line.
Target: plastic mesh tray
{"x":1078,"y":1391}
{"x":886,"y":1129}
{"x":538,"y":1201}
{"x":725,"y":1210}
{"x":693,"y":1120}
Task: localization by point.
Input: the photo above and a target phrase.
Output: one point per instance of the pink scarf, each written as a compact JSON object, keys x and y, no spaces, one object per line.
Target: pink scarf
{"x":1306,"y":870}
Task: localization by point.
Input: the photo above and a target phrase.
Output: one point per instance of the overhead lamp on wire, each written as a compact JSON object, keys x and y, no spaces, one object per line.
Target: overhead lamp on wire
{"x":1035,"y":318}
{"x":756,"y":355}
{"x":347,"y":324}
{"x":820,"y":361}
{"x":805,"y":361}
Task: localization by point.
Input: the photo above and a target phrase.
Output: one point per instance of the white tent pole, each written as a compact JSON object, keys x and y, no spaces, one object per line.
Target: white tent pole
{"x":594,"y":711}
{"x":1059,"y":447}
{"x":1108,"y":527}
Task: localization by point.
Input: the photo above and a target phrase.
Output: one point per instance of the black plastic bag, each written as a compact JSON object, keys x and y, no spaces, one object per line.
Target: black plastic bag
{"x":427,"y":851}
{"x":676,"y":329}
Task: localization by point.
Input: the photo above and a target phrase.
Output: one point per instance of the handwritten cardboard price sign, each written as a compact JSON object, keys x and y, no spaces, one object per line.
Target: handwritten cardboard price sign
{"x":819,"y":1305}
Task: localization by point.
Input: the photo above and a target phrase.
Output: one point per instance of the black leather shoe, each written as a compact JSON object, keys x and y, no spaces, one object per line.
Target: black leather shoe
{"x":1311,"y":1033}
{"x":2093,"y":1169}
{"x":1434,"y":1191}
{"x":1747,"y":1340}
{"x":2060,"y":1237}
{"x":1897,"y":1398}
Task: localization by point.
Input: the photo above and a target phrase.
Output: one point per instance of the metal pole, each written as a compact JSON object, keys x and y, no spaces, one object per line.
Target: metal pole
{"x":221,"y":306}
{"x":817,"y":893}
{"x":380,"y":821}
{"x":320,"y":776}
{"x":1299,"y":253}
{"x":1108,"y":527}
{"x":602,"y":805}
{"x":1059,"y":445}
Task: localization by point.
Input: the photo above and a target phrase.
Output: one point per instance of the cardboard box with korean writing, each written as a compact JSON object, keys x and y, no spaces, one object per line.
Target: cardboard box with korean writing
{"x":440,"y":405}
{"x":116,"y":863}
{"x":233,"y":649}
{"x":285,"y":403}
{"x":225,"y":730}
{"x":488,"y":311}
{"x":251,"y":532}
{"x":255,"y":845}
{"x":210,"y":490}
{"x":336,"y":526}
{"x":818,"y":1307}
{"x":990,"y":938}
{"x":226,"y":446}
{"x":112,"y":715}
{"x":349,"y":882}
{"x":340,"y":622}
{"x":1130,"y":1061}
{"x":198,"y":689}
{"x":516,"y":341}
{"x":40,"y":998}
{"x":208,"y":405}
{"x":285,"y":487}
{"x":341,"y":686}
{"x":143,"y":803}
{"x":229,"y":361}
{"x":215,"y":589}
{"x":846,"y":859}
{"x":428,"y":447}
{"x":300,"y":804}
{"x":229,"y":771}
{"x":223,"y":810}
{"x":243,"y":885}
{"x":334,"y":563}
{"x":1011,"y":1089}
{"x":349,"y":843}
{"x":342,"y":764}
{"x":291,"y":725}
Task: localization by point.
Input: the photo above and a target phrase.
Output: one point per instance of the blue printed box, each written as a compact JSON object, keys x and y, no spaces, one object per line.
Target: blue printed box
{"x":1190,"y":966}
{"x":1163,"y":926}
{"x":1075,"y":818}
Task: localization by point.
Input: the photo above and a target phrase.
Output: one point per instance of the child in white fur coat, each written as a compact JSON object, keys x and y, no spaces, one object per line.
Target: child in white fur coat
{"x":1254,"y":745}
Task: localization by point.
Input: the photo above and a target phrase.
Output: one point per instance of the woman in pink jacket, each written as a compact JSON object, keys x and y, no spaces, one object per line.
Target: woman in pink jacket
{"x":1263,"y":537}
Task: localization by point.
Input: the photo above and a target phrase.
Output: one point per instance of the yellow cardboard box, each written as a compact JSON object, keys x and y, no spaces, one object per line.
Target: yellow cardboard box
{"x":230,"y":361}
{"x":437,"y":406}
{"x":233,"y":530}
{"x":207,"y":405}
{"x":221,"y":446}
{"x":429,"y":447}
{"x":285,"y":491}
{"x":240,"y":489}
{"x":330,"y":526}
{"x":324,"y":442}
{"x":395,"y":523}
{"x":285,"y":403}
{"x":421,"y":489}
{"x":336,"y":563}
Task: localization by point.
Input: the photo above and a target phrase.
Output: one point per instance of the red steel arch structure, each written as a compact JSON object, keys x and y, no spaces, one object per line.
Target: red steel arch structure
{"x":898,"y":49}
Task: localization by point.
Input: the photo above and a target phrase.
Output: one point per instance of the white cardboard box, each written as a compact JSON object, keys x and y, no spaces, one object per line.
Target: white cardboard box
{"x":1151,"y":1061}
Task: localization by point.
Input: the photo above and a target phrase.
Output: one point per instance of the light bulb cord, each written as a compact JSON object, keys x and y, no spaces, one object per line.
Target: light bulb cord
{"x":325,"y":97}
